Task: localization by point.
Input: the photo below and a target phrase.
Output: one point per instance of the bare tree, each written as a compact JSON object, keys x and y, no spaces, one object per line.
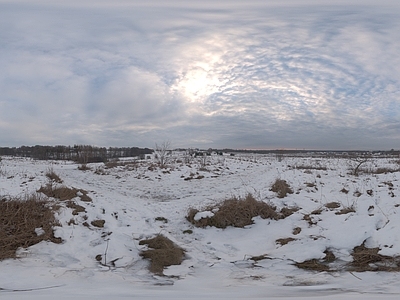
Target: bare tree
{"x":356,"y":163}
{"x":161,"y":152}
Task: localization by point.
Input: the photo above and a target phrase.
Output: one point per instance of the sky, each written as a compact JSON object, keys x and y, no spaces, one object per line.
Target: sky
{"x":287,"y":74}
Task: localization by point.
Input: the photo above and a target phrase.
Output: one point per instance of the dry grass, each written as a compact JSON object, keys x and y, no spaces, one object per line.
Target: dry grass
{"x":308,"y":167}
{"x":63,"y":193}
{"x":332,"y":205}
{"x":284,"y":241}
{"x":98,"y":223}
{"x":76,"y":208}
{"x":52,"y":176}
{"x":346,"y":210}
{"x":368,"y":259}
{"x":59,"y":192}
{"x":281,"y":187}
{"x":235,"y":212}
{"x":84,"y":167}
{"x":364,"y":260}
{"x":313,"y":265}
{"x":321,"y":265}
{"x":164,"y":253}
{"x":18,"y":220}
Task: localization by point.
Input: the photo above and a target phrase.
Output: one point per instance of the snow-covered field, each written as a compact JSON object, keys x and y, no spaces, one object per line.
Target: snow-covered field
{"x":138,"y":200}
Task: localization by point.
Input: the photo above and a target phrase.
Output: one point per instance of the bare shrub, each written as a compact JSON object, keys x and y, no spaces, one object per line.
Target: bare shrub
{"x":236,"y":212}
{"x":281,"y":187}
{"x":25,"y":222}
{"x":161,"y":152}
{"x":164,"y":253}
{"x":356,"y":164}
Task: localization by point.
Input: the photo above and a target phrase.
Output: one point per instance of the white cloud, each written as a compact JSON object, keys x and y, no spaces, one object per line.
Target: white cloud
{"x":281,"y":74}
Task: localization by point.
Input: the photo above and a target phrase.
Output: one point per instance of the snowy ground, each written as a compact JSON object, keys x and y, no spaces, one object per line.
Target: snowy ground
{"x":130,"y":197}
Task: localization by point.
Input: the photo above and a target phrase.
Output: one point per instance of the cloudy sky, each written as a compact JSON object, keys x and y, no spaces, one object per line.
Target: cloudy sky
{"x":289,"y":74}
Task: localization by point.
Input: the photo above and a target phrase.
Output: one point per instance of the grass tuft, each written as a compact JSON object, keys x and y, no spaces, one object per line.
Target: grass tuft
{"x":281,"y":187}
{"x":25,"y":222}
{"x":52,"y":176}
{"x":234,"y":212}
{"x":164,"y":253}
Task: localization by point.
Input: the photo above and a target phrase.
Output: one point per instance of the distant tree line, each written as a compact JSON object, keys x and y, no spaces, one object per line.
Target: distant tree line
{"x":79,"y":153}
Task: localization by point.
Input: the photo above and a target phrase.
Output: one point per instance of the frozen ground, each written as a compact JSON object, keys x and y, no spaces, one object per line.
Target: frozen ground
{"x":131,"y":196}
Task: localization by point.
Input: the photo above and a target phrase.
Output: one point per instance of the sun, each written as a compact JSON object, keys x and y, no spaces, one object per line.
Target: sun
{"x":199,"y":72}
{"x":197,"y":83}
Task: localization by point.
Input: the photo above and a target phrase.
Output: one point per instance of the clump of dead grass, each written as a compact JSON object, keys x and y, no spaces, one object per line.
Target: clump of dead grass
{"x":313,"y":265}
{"x":84,"y":167}
{"x":63,"y":192}
{"x":309,"y":167}
{"x":98,"y":223}
{"x":368,"y":259}
{"x":284,"y":241}
{"x":332,"y":205}
{"x":52,"y":176}
{"x":236,"y":212}
{"x":164,"y":253}
{"x":281,"y":187}
{"x":25,"y":222}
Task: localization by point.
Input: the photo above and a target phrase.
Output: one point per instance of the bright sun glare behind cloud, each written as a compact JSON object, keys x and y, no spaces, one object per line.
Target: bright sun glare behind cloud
{"x":200,"y":78}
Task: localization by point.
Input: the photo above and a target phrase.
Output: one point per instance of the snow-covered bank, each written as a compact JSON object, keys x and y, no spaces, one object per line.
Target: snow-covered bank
{"x":138,"y":200}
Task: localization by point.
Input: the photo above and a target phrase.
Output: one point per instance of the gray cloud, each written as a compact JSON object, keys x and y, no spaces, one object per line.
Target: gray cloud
{"x":252,"y":75}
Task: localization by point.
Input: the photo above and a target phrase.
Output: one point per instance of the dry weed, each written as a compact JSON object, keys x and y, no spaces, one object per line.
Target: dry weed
{"x":25,"y":222}
{"x":368,"y":259}
{"x":235,"y":212}
{"x":313,"y":265}
{"x":52,"y":176}
{"x":284,"y":241}
{"x":164,"y":253}
{"x":332,"y":205}
{"x":281,"y":187}
{"x":64,"y":193}
{"x":98,"y":223}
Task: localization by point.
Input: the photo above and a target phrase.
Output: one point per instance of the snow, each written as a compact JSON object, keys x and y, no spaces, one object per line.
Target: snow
{"x":133,"y":199}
